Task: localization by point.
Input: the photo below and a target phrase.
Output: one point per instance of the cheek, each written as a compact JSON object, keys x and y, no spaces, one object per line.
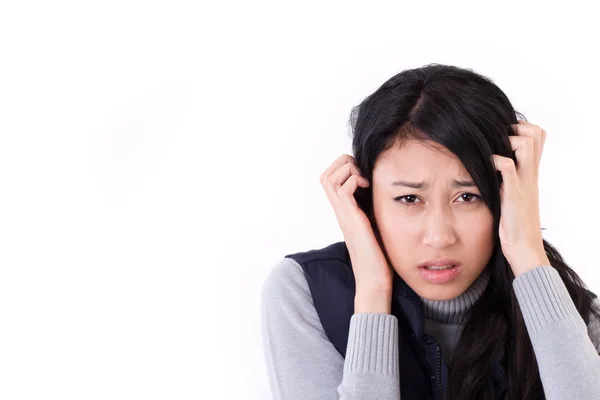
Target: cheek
{"x":395,"y":230}
{"x":477,"y":232}
{"x":397,"y":235}
{"x":389,"y":220}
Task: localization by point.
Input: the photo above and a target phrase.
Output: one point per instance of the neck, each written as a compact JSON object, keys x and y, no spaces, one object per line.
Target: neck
{"x":452,"y":311}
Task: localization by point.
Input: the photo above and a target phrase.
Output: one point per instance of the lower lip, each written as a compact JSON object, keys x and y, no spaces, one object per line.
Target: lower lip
{"x":439,"y":276}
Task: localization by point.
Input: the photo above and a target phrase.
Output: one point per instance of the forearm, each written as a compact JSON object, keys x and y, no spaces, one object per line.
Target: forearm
{"x":568,"y":362}
{"x":371,"y":366}
{"x":372,"y":301}
{"x":302,"y":364}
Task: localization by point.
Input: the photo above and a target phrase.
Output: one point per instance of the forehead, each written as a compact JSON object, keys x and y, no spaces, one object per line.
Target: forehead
{"x":419,"y":159}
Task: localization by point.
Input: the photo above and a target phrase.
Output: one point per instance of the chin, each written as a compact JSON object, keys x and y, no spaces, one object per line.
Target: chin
{"x":440,"y":292}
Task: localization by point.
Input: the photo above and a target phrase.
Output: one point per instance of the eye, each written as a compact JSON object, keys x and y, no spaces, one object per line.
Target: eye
{"x":410,"y":198}
{"x":407,"y":197}
{"x":470,"y":196}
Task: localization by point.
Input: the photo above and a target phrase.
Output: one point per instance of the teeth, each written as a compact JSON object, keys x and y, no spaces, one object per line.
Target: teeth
{"x":439,"y":267}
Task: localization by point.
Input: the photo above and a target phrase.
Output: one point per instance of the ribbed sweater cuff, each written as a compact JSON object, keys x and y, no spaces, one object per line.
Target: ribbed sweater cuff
{"x":372,"y":344}
{"x":543,"y":298}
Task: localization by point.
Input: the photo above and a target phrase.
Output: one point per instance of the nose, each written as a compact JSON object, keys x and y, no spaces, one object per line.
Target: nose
{"x":439,"y":229}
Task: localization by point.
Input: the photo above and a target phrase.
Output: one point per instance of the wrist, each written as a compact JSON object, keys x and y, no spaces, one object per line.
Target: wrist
{"x":529,"y":262}
{"x":373,"y":301}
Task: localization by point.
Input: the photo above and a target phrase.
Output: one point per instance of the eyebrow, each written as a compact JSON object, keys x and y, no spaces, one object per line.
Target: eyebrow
{"x":424,"y":186}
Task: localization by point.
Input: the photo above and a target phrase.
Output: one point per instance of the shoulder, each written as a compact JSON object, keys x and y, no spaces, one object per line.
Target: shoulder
{"x":301,"y":273}
{"x":593,"y":326}
{"x":285,"y":284}
{"x":335,"y":252}
{"x":288,"y":311}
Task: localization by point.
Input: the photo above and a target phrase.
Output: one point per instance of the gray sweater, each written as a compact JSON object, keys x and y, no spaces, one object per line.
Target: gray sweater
{"x":303,"y":364}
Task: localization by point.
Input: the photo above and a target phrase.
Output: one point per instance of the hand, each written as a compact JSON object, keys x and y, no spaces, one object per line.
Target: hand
{"x":370,"y":267}
{"x":520,"y":230}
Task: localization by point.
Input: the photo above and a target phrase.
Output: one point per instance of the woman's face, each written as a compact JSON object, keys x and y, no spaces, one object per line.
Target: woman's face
{"x":438,"y":220}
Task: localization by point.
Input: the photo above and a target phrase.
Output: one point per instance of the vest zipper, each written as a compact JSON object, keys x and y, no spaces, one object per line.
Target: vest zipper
{"x":439,"y":371}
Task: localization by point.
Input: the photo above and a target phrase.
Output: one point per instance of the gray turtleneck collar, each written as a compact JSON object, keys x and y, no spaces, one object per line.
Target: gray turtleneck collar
{"x":452,"y":311}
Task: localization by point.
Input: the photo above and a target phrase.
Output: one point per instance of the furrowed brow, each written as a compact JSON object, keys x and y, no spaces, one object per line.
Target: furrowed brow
{"x":425,"y":186}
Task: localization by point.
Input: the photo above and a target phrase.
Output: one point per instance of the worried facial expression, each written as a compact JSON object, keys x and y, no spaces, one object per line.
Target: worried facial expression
{"x":426,"y":207}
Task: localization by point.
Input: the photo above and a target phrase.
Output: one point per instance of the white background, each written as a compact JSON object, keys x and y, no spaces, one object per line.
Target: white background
{"x":158,"y":158}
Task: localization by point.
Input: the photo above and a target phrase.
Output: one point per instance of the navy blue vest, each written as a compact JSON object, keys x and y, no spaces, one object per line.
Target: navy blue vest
{"x":423,"y":372}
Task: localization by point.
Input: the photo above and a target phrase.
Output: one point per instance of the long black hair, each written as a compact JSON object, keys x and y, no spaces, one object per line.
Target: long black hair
{"x":470,"y":116}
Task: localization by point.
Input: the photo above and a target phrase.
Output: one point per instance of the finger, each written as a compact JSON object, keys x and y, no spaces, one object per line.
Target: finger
{"x":349,"y":187}
{"x":507,"y":168}
{"x":344,"y":203}
{"x":524,"y":148}
{"x":345,"y":193}
{"x":523,"y":128}
{"x":341,"y":160}
{"x":340,"y":176}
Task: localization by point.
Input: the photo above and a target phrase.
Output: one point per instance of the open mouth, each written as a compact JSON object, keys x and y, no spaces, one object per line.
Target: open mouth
{"x":441,"y":273}
{"x":440,"y":267}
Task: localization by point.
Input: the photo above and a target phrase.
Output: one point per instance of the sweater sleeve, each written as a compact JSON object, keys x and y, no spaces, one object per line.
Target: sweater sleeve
{"x":565,"y":349}
{"x":303,"y":364}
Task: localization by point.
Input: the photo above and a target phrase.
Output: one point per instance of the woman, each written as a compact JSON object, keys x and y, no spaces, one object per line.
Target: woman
{"x":443,"y":287}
